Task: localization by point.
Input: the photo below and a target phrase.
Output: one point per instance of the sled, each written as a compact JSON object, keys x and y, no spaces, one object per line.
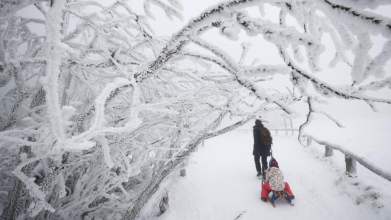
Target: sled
{"x":268,"y":199}
{"x":278,"y":194}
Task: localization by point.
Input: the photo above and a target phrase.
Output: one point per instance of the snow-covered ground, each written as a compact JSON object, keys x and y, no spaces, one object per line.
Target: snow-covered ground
{"x":221,"y":183}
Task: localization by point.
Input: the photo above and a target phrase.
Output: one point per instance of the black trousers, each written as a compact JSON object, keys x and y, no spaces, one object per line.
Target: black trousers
{"x":258,"y":164}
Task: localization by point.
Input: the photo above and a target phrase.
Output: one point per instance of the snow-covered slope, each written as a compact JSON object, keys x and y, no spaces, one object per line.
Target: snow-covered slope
{"x":221,"y":183}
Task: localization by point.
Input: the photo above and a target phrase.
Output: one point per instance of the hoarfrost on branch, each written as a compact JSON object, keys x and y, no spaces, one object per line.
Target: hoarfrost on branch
{"x":99,"y":111}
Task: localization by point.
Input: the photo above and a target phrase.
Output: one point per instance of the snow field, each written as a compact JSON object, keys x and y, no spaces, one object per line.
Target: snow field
{"x":221,"y":183}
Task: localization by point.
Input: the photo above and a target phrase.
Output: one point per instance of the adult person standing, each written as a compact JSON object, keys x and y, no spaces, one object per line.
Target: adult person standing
{"x":262,"y":146}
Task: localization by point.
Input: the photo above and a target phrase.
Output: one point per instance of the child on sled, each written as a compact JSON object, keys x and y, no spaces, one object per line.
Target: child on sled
{"x":274,"y":181}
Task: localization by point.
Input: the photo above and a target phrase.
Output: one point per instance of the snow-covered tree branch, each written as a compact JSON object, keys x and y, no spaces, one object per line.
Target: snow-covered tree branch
{"x":99,"y":110}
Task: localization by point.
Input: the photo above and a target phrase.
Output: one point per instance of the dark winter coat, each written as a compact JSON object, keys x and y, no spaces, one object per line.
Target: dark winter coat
{"x":264,"y":150}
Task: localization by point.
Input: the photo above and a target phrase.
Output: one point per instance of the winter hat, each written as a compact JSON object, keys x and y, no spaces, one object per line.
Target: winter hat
{"x":274,"y":163}
{"x":258,"y":122}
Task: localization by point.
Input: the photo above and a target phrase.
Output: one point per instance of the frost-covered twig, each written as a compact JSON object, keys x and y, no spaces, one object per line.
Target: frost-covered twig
{"x":102,"y":134}
{"x":236,"y":71}
{"x":328,"y":116}
{"x":55,"y":50}
{"x":309,"y":119}
{"x":154,"y":185}
{"x":240,"y":215}
{"x":359,"y":18}
{"x":324,"y":88}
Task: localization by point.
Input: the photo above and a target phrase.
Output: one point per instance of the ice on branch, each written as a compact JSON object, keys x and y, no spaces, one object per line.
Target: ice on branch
{"x":98,"y":111}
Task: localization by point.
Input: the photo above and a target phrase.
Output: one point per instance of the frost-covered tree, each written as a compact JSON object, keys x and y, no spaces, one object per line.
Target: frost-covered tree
{"x":99,"y":111}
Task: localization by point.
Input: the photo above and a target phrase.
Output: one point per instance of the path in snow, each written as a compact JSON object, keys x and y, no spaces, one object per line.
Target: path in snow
{"x":221,"y":183}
